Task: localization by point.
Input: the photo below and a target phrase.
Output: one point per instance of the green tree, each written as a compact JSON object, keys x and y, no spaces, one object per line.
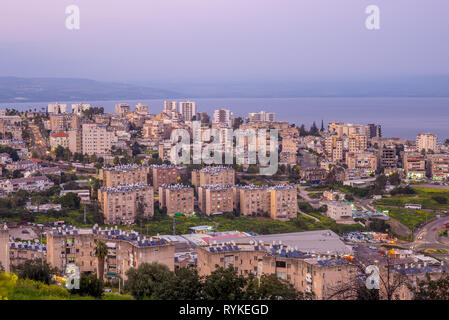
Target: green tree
{"x":90,"y":285}
{"x":101,"y":251}
{"x":185,"y":285}
{"x":37,"y":200}
{"x":148,"y":280}
{"x":314,"y":130}
{"x":224,"y":284}
{"x":37,"y":269}
{"x":432,"y":289}
{"x":70,"y":200}
{"x":380,"y":183}
{"x":394,"y":179}
{"x":270,"y":287}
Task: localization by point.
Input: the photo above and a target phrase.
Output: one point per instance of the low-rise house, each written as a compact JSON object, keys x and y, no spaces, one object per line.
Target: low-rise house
{"x":28,"y":184}
{"x":29,"y":165}
{"x":84,"y":194}
{"x":341,"y":212}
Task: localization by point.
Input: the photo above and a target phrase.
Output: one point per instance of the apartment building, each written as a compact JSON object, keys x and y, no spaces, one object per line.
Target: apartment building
{"x":122,"y":175}
{"x":122,"y":109}
{"x":76,"y":140}
{"x":307,"y":272}
{"x":438,"y":166}
{"x":11,"y":127}
{"x":57,"y":108}
{"x":126,"y":249}
{"x":213,"y":199}
{"x":349,"y":129}
{"x":313,"y":174}
{"x":252,"y":200}
{"x":362,"y":160}
{"x":358,"y":143}
{"x":289,"y":145}
{"x":4,"y":248}
{"x":119,"y":204}
{"x":415,"y":165}
{"x":96,"y":139}
{"x":176,"y":198}
{"x":164,"y":174}
{"x":170,"y":106}
{"x":21,"y":252}
{"x":283,"y":202}
{"x":341,"y":212}
{"x":388,"y":160}
{"x":219,"y":175}
{"x":375,"y":130}
{"x":427,"y":142}
{"x":223,"y":116}
{"x":64,"y":122}
{"x":142,"y":109}
{"x":79,"y":108}
{"x":187,"y":109}
{"x":59,"y":139}
{"x":334,"y":148}
{"x":261,"y":116}
{"x":157,"y":129}
{"x":288,"y":158}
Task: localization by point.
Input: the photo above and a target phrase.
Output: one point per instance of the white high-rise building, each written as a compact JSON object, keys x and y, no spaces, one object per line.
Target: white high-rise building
{"x":223,"y":116}
{"x":57,"y":108}
{"x":170,"y":106}
{"x":78,"y":108}
{"x":426,"y":141}
{"x":96,"y":138}
{"x":187,"y":109}
{"x":141,"y":108}
{"x":261,"y":116}
{"x":122,"y":109}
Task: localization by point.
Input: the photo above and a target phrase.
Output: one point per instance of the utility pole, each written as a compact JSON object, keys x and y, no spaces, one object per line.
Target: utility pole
{"x":84,"y":214}
{"x":174,"y":226}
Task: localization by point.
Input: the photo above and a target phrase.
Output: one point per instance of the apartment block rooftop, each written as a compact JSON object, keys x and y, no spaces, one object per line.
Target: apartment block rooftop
{"x":126,"y":188}
{"x":319,"y":241}
{"x":126,"y":167}
{"x":112,"y":233}
{"x":213,"y":170}
{"x":216,"y":187}
{"x":278,"y":250}
{"x":175,"y":186}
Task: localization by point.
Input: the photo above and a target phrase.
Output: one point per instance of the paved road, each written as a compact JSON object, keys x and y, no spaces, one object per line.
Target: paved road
{"x":307,"y":160}
{"x":428,"y":234}
{"x":305,"y":195}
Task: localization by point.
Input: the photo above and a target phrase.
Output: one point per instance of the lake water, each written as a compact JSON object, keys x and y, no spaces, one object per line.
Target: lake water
{"x":399,"y":117}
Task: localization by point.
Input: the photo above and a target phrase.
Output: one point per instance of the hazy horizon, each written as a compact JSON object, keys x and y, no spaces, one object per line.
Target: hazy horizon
{"x":222,"y":41}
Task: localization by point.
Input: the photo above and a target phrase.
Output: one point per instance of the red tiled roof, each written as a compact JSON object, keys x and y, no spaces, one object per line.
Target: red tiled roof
{"x":59,"y":135}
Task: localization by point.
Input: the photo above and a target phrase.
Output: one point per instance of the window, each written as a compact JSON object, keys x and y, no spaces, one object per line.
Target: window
{"x":280,"y":264}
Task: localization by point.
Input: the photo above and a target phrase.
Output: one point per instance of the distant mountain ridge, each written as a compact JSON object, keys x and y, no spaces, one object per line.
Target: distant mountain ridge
{"x":17,"y":90}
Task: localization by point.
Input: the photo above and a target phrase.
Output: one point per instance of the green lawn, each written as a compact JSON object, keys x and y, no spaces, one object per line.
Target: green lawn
{"x":423,"y":197}
{"x":410,"y":218}
{"x":247,"y":224}
{"x":25,"y":289}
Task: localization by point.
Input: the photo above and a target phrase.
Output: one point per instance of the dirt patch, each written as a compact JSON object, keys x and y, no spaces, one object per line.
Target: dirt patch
{"x":398,"y":228}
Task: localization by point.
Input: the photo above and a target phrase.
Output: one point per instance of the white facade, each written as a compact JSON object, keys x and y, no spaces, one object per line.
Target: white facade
{"x":261,"y":116}
{"x":223,"y":116}
{"x":78,"y":108}
{"x":96,"y":139}
{"x":57,"y":108}
{"x":187,"y":109}
{"x":426,"y":141}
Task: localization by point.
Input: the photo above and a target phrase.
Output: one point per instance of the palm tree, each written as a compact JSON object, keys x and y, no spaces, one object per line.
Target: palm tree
{"x":101,"y":251}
